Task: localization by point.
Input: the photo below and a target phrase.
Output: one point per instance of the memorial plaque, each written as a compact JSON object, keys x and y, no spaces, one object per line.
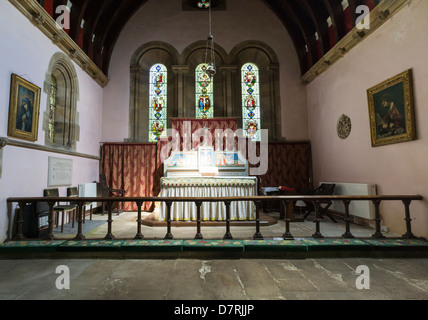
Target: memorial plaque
{"x":60,"y":172}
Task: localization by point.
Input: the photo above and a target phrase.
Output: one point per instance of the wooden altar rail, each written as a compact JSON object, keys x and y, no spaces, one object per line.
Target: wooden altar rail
{"x":376,"y":200}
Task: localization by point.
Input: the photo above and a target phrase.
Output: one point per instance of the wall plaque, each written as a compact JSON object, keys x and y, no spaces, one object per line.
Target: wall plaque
{"x":344,"y":126}
{"x":60,"y":172}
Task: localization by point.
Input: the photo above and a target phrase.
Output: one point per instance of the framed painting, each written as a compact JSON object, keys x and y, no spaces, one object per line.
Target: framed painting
{"x":183,"y":159}
{"x":391,"y":110}
{"x":228,"y":159}
{"x":24,"y":107}
{"x":206,"y":156}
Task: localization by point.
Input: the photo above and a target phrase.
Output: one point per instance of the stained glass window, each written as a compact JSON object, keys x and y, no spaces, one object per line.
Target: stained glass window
{"x":158,"y":102}
{"x":52,"y":105}
{"x":250,"y":101}
{"x":204,"y":93}
{"x":204,"y":4}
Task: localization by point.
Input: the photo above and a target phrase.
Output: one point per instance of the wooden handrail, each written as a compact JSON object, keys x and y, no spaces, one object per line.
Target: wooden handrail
{"x":216,"y":199}
{"x":316,"y":199}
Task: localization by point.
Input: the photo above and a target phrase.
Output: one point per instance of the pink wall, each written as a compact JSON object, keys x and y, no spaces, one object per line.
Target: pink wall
{"x":401,"y":168}
{"x":165,"y":21}
{"x":24,"y":171}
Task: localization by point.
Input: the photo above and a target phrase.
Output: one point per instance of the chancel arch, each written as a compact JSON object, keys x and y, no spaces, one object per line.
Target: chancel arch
{"x":60,"y":120}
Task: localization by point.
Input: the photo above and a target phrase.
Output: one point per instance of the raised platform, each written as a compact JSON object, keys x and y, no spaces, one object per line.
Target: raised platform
{"x":152,"y":221}
{"x":174,"y":249}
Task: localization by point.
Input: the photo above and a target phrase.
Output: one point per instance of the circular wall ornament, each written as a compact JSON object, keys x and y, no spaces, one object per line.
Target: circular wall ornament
{"x":344,"y":126}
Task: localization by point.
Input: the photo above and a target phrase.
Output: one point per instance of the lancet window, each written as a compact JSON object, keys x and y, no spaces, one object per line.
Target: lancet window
{"x":158,"y":102}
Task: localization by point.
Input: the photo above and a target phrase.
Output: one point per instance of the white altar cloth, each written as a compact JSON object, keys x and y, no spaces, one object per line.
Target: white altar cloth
{"x":209,"y":187}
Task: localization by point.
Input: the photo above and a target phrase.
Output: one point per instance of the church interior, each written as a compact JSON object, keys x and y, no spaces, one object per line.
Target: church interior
{"x":317,"y":92}
{"x":149,"y":99}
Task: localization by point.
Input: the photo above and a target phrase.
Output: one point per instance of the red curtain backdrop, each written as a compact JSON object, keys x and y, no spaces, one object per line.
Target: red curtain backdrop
{"x":134,"y":168}
{"x":290,"y":165}
{"x":212,"y":125}
{"x":137,"y":168}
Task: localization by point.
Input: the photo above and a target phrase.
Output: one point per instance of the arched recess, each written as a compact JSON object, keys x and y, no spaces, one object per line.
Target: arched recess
{"x":265,"y":58}
{"x":192,"y":56}
{"x":143,"y":59}
{"x":66,"y":129}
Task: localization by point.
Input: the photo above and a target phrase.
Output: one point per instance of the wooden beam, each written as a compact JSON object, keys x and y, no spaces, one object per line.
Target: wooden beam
{"x":293,"y":30}
{"x":320,"y":23}
{"x":306,"y":27}
{"x":379,"y":15}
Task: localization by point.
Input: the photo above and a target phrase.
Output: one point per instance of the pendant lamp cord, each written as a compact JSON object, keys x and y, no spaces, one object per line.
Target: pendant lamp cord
{"x":210,"y":34}
{"x":209,"y":16}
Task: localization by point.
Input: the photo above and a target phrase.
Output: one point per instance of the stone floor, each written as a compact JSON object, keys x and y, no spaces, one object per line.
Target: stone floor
{"x":187,"y":279}
{"x":215,"y":280}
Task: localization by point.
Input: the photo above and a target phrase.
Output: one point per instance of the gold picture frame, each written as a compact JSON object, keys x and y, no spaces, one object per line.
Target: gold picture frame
{"x":24,"y":109}
{"x":391,"y":110}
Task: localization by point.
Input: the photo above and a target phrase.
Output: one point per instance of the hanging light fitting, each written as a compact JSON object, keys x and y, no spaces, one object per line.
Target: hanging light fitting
{"x":211,"y":69}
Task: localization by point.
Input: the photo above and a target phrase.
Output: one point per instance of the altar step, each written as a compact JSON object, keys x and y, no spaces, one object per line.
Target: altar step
{"x":265,"y":220}
{"x":152,"y":221}
{"x":211,"y":249}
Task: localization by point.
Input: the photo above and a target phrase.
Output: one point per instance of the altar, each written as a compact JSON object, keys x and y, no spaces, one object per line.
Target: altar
{"x":208,"y":187}
{"x":205,"y":171}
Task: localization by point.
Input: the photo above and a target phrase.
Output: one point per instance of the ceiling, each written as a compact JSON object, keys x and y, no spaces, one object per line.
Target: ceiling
{"x":305,"y":21}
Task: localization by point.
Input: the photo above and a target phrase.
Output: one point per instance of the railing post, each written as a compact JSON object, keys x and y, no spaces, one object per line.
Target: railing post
{"x":378,"y":234}
{"x":198,"y":220}
{"x":317,"y":233}
{"x":287,"y":235}
{"x":109,"y":235}
{"x":257,"y":235}
{"x":347,"y":234}
{"x":19,"y":235}
{"x":408,"y":234}
{"x":139,"y":235}
{"x":79,"y":235}
{"x":168,"y":220}
{"x":227,"y":235}
{"x":51,"y":219}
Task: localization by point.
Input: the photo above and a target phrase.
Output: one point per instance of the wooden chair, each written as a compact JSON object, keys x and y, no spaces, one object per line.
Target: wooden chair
{"x":325,"y":189}
{"x":73,"y":192}
{"x":107,"y":192}
{"x":60,"y":208}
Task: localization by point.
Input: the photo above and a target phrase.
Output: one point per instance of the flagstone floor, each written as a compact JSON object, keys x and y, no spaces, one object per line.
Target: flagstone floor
{"x":238,"y":281}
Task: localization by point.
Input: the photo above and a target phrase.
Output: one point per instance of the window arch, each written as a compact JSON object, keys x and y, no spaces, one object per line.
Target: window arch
{"x":61,"y":118}
{"x":250,"y":88}
{"x":158,"y":102}
{"x":204,"y":93}
{"x":52,"y":104}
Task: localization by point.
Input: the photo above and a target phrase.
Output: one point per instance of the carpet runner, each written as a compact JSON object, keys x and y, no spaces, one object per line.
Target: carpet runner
{"x":365,"y":246}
